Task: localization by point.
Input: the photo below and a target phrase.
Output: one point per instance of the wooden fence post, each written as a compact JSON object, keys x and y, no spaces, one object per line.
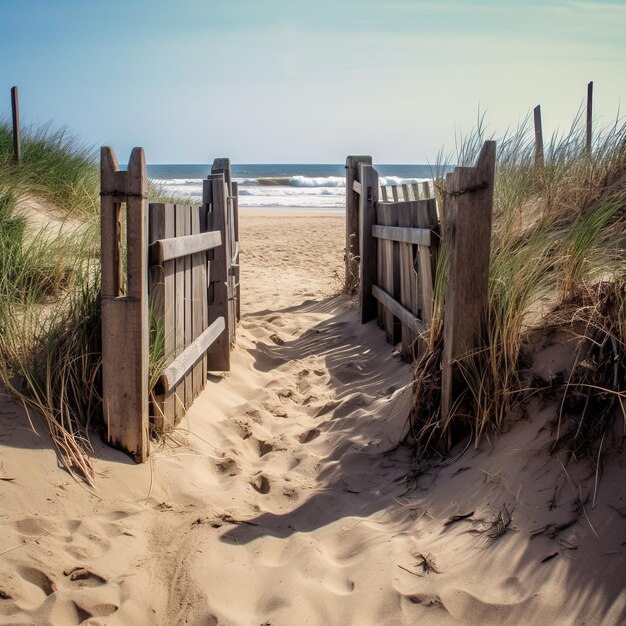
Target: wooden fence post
{"x":214,"y":196}
{"x":589,"y":115}
{"x":467,"y":242}
{"x":222,"y":166}
{"x":353,"y":251}
{"x":538,"y":141}
{"x":367,"y":243}
{"x":125,"y":331}
{"x":235,"y":192}
{"x":15,"y":110}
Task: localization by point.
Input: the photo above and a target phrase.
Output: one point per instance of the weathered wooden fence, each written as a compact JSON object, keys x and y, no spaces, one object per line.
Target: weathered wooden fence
{"x":396,"y":248}
{"x":397,"y":252}
{"x":171,"y":287}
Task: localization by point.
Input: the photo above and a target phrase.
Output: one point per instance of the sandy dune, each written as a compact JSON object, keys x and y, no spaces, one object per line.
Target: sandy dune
{"x":284,"y":497}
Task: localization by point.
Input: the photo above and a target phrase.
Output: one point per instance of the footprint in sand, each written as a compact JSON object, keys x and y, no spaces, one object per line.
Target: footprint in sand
{"x":261,"y":484}
{"x":85,"y":577}
{"x":38,"y":578}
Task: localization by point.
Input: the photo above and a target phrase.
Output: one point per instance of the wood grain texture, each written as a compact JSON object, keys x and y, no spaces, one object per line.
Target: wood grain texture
{"x":176,"y":247}
{"x":190,"y":357}
{"x":367,"y":218}
{"x":398,"y":310}
{"x":15,"y":116}
{"x":218,"y":355}
{"x":402,"y":234}
{"x":125,"y":331}
{"x":389,"y":272}
{"x":467,"y":240}
{"x":353,"y":250}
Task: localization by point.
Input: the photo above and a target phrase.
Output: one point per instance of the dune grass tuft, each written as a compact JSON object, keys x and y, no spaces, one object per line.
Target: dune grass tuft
{"x":558,"y":244}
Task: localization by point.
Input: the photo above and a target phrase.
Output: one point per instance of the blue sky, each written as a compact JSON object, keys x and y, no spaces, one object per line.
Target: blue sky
{"x":306,"y":81}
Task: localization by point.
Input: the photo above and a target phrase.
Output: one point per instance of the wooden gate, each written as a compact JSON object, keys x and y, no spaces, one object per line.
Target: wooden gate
{"x":398,"y":243}
{"x":177,"y":302}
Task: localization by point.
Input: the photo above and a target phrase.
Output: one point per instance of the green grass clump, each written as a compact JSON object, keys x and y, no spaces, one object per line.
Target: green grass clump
{"x":558,"y":233}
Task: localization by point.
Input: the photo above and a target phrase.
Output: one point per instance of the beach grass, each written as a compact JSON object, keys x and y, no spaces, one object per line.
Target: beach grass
{"x":50,"y":343}
{"x":558,"y":249}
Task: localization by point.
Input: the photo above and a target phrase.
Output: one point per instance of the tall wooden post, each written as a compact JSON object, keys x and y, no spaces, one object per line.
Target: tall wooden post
{"x":589,"y":115}
{"x":538,"y":141}
{"x":15,"y":110}
{"x":125,"y":329}
{"x":466,"y":243}
{"x":222,"y":166}
{"x":353,"y":250}
{"x":214,"y":197}
{"x":237,"y":272}
{"x":367,"y":218}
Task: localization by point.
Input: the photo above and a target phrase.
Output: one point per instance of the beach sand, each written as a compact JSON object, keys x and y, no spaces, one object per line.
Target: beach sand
{"x":285,"y":499}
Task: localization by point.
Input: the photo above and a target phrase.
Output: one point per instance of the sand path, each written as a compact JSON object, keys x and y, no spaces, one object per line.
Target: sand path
{"x":284,"y":499}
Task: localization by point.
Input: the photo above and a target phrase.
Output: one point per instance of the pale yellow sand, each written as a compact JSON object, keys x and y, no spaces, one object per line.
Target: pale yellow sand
{"x":283,"y":499}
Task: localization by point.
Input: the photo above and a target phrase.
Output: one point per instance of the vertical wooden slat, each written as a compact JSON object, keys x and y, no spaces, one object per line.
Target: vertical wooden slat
{"x":204,"y":278}
{"x":394,"y":193}
{"x":214,"y":194}
{"x":15,"y":111}
{"x":367,"y":217}
{"x":426,"y":189}
{"x":589,"y":116}
{"x":416,"y":190}
{"x":188,"y":308}
{"x":405,"y":192}
{"x":538,"y":141}
{"x":156,"y":231}
{"x":383,"y":192}
{"x":179,"y":315}
{"x":353,"y":251}
{"x":425,"y":220}
{"x":125,"y":330}
{"x":467,"y":240}
{"x":199,"y":294}
{"x":407,"y":280}
{"x":387,"y":215}
{"x":235,"y":192}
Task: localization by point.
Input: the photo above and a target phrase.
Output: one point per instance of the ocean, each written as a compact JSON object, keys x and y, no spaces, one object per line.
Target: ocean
{"x":319,"y":186}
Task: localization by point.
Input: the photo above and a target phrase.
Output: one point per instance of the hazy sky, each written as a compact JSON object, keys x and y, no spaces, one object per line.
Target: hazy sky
{"x":305,"y":81}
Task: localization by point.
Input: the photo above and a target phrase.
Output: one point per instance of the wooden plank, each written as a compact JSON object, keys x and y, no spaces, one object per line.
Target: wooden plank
{"x":198,"y":295}
{"x":231,"y":274}
{"x":156,"y":230}
{"x":538,"y":141}
{"x":416,"y":191}
{"x":426,"y":189}
{"x":353,"y":249}
{"x":394,"y":193}
{"x":15,"y":113}
{"x":404,"y":234}
{"x":406,"y":317}
{"x":235,"y":187}
{"x":389,"y":273}
{"x":214,"y":195}
{"x":204,"y":282}
{"x":125,"y":327}
{"x":189,"y":358}
{"x":383,"y":193}
{"x":169,"y":314}
{"x":425,"y":276}
{"x":467,"y":240}
{"x":367,"y":216}
{"x":405,"y":192}
{"x":175,"y":247}
{"x":356,"y":185}
{"x":589,"y":125}
{"x":180,"y":310}
{"x":407,"y":278}
{"x":188,"y":307}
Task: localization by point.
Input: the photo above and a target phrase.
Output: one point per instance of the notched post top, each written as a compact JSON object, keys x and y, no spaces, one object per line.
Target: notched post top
{"x":115,"y":182}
